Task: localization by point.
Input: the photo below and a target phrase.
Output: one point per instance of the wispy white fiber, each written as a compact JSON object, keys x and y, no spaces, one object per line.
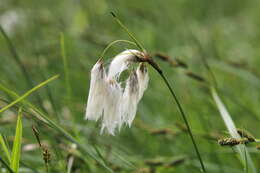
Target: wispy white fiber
{"x":97,"y":90}
{"x":107,"y":99}
{"x":112,"y":108}
{"x":143,"y":79}
{"x":121,"y":62}
{"x":130,"y":99}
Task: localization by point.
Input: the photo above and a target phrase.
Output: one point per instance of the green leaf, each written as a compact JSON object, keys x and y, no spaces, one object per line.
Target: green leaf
{"x":5,"y":148}
{"x":16,"y":151}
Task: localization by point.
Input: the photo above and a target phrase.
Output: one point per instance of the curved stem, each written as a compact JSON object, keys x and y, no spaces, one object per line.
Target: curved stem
{"x":257,"y":140}
{"x":158,"y":69}
{"x":139,"y":45}
{"x":114,"y":42}
{"x":184,"y":118}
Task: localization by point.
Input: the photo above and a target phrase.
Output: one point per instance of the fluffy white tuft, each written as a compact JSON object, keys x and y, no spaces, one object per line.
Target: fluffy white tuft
{"x":121,"y":63}
{"x":107,"y":99}
{"x":143,"y":78}
{"x":112,"y":112}
{"x":97,"y":91}
{"x":130,"y":99}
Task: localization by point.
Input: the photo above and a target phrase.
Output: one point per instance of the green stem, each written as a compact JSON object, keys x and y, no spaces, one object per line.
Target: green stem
{"x":158,"y":69}
{"x":128,"y":32}
{"x":184,"y":118}
{"x":65,"y":67}
{"x":114,"y":42}
{"x":6,"y":165}
{"x":257,"y":140}
{"x":47,"y":167}
{"x":246,"y":162}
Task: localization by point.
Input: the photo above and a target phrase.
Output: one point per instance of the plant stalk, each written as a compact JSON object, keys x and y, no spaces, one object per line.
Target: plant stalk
{"x":6,"y":165}
{"x":149,"y":60}
{"x":182,"y":114}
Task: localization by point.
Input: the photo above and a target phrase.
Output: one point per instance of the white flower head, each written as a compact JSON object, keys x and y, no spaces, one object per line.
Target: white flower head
{"x":97,"y":91}
{"x":143,"y":78}
{"x":121,"y":62}
{"x":107,"y":99}
{"x":130,"y":99}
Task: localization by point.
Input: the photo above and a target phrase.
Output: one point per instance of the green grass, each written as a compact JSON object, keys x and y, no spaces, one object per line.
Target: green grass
{"x":16,"y":151}
{"x":224,"y":33}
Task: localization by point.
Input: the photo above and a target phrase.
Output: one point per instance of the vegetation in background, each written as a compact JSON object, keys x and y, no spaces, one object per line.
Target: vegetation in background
{"x":32,"y":49}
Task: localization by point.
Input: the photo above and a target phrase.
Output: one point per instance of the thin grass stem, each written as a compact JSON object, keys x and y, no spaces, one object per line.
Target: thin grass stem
{"x":18,"y":61}
{"x":65,"y":66}
{"x":28,"y":93}
{"x":185,"y":120}
{"x":46,"y":120}
{"x":246,"y":162}
{"x":157,"y":68}
{"x":128,"y":32}
{"x":6,"y":165}
{"x":114,"y":42}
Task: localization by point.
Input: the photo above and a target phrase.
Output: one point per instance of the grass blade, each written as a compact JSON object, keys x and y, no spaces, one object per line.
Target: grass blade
{"x":232,"y":129}
{"x":241,"y":73}
{"x":246,"y":162}
{"x":65,"y":66}
{"x":45,"y":119}
{"x":5,"y":148}
{"x":16,"y":151}
{"x":6,"y":165}
{"x":99,"y":154}
{"x":28,"y":93}
{"x":18,"y":61}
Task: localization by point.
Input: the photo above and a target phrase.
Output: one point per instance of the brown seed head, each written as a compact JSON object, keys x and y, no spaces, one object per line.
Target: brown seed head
{"x":228,"y":142}
{"x":154,"y":163}
{"x":195,"y":76}
{"x":245,"y":134}
{"x":176,"y":162}
{"x":46,"y":155}
{"x":164,"y":131}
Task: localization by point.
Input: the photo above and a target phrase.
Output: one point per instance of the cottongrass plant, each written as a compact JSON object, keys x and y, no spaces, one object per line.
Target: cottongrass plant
{"x":117,"y":106}
{"x":108,"y":100}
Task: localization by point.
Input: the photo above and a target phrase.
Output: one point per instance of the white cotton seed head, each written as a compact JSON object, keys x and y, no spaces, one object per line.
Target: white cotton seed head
{"x":143,"y":78}
{"x":130,"y":99}
{"x":121,"y":62}
{"x":108,"y":100}
{"x":112,"y":110}
{"x":97,"y":90}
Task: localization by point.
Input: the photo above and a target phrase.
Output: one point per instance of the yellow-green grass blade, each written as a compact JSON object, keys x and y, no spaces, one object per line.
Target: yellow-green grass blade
{"x":28,"y":93}
{"x":16,"y":151}
{"x":65,"y":66}
{"x":44,"y":118}
{"x":232,"y":130}
{"x":5,"y":148}
{"x":19,"y":62}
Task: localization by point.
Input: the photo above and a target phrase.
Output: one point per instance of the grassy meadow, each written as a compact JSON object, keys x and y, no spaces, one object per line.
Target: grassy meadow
{"x":211,"y":58}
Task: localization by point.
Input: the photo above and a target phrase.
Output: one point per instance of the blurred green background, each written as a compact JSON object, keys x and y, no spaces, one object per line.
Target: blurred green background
{"x":226,"y":33}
